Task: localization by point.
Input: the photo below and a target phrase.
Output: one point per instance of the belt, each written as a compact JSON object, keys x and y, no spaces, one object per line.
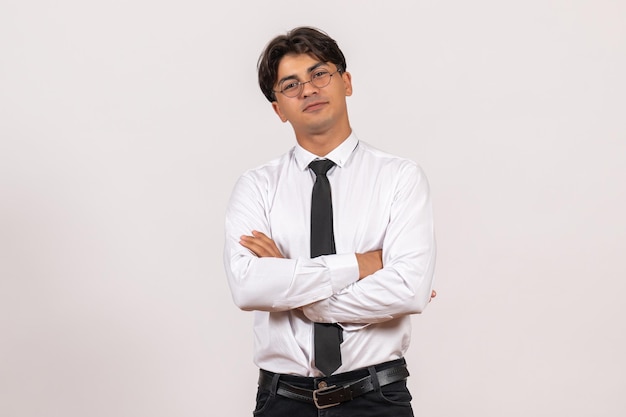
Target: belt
{"x":329,"y":396}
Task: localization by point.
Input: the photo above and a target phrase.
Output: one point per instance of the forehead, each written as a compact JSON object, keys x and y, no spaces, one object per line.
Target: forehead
{"x":294,"y":65}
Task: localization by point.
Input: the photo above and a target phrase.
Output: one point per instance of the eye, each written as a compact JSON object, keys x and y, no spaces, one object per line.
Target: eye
{"x":290,"y":86}
{"x":320,"y":74}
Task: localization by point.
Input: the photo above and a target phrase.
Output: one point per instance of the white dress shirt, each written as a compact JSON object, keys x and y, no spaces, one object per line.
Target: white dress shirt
{"x":380,"y":201}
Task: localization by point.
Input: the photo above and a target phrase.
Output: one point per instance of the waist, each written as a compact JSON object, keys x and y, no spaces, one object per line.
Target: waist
{"x":283,"y":343}
{"x":335,"y":389}
{"x":309,"y":382}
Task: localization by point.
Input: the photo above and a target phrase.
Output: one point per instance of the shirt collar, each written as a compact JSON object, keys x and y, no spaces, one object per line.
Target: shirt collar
{"x":339,"y":155}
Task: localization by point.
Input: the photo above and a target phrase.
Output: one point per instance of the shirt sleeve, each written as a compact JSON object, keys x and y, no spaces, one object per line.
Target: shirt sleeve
{"x":275,"y":284}
{"x":404,"y":284}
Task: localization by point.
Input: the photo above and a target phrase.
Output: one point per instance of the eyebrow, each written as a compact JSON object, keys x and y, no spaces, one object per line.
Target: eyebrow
{"x":295,"y":77}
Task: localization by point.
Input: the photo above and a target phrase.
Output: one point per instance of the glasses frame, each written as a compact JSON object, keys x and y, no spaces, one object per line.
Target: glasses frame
{"x":300,"y":84}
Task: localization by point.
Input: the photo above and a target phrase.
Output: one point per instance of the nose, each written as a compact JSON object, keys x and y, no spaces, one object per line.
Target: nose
{"x":308,"y":89}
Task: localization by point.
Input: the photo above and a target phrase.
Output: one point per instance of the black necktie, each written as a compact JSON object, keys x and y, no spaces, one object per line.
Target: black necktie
{"x":326,"y":336}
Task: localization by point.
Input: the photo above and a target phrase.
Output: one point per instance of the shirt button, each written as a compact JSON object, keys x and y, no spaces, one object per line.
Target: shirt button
{"x":322,"y":385}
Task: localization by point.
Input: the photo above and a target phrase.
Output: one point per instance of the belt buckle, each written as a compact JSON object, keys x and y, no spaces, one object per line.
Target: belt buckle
{"x":315,"y":400}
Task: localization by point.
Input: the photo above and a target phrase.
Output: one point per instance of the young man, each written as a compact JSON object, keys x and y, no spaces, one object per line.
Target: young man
{"x":331,"y":245}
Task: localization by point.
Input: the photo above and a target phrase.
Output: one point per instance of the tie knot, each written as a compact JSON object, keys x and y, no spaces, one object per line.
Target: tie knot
{"x":321,"y":166}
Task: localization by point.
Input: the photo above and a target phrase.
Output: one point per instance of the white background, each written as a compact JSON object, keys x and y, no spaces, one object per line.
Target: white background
{"x":124,"y":124}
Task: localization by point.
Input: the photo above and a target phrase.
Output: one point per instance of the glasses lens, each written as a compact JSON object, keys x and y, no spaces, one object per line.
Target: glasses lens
{"x":320,"y":79}
{"x":291,"y":88}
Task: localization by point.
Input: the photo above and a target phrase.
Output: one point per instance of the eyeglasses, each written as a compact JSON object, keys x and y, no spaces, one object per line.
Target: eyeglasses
{"x":319,"y":79}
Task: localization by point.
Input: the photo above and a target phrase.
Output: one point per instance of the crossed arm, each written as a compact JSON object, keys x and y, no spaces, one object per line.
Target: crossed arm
{"x":376,"y":285}
{"x":264,"y":247}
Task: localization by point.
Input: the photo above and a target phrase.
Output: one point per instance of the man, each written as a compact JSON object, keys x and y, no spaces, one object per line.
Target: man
{"x":332,"y":287}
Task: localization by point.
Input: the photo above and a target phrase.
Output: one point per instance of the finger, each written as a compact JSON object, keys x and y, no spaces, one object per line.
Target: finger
{"x":254,"y":245}
{"x":268,"y":244}
{"x":248,"y":243}
{"x":260,"y":235}
{"x":261,"y":239}
{"x":261,"y":247}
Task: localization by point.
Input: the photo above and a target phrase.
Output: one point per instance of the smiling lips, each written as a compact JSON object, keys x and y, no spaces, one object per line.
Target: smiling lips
{"x":316,"y":105}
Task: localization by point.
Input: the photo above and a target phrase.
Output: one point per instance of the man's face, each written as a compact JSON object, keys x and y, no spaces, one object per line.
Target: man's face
{"x":315,"y":110}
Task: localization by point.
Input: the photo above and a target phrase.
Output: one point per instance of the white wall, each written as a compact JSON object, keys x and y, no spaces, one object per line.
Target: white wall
{"x":124,"y":124}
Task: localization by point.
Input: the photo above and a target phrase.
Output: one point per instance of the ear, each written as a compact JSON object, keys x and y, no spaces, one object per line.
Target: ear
{"x":277,"y":110}
{"x":347,"y":80}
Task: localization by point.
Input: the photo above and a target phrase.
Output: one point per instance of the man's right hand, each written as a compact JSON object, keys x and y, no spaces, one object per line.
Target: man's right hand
{"x":369,"y":262}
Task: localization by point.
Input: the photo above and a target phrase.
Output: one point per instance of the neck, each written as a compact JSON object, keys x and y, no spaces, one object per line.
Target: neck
{"x":321,"y":144}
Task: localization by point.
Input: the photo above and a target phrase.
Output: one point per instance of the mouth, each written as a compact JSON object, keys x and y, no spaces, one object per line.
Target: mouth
{"x":311,"y":107}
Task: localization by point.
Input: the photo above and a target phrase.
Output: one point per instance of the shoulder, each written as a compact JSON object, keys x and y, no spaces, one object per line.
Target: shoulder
{"x":404,"y":176}
{"x":269,"y":169}
{"x":264,"y":177}
{"x":382,"y":160}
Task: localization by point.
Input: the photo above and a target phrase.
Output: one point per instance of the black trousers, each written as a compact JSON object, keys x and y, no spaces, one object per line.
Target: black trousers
{"x":392,"y":400}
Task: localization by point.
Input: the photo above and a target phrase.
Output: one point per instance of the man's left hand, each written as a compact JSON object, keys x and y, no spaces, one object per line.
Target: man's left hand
{"x":261,"y":245}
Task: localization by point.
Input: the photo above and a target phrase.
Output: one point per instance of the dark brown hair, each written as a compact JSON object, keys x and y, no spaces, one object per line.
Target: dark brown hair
{"x":301,"y":40}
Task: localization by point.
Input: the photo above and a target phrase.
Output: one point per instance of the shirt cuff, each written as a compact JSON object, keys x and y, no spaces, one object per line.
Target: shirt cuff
{"x":344,"y":270}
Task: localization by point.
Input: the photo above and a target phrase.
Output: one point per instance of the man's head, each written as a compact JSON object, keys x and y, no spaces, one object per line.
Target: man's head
{"x":301,"y":40}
